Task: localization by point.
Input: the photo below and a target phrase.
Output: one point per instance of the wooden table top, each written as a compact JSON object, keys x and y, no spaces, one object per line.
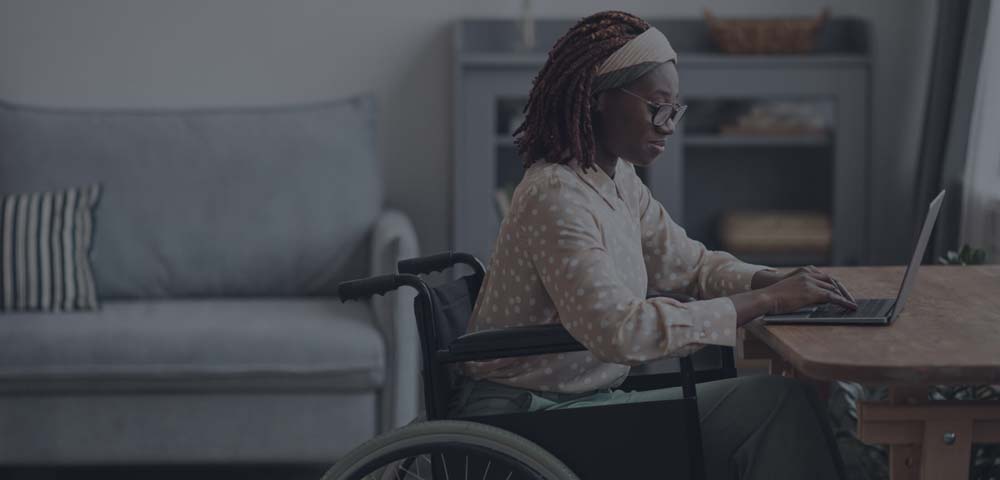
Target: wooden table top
{"x":948,"y":332}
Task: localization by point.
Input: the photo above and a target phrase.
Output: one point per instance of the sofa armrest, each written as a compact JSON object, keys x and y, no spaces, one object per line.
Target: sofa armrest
{"x":394,"y":239}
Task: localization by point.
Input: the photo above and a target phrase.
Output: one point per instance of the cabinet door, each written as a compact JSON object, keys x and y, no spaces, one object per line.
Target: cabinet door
{"x":844,"y":84}
{"x":479,"y":145}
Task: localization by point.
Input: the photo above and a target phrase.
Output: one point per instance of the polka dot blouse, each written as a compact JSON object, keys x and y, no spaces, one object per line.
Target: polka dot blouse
{"x":583,"y":249}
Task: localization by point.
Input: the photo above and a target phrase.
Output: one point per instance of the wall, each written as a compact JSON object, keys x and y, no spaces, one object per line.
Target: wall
{"x":177,"y":53}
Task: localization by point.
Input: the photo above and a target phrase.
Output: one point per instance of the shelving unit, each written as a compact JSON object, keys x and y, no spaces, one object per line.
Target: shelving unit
{"x":708,"y":140}
{"x":705,"y":171}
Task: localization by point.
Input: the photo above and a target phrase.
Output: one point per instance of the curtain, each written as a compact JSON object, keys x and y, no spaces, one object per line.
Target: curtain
{"x":958,"y":44}
{"x":980,"y":221}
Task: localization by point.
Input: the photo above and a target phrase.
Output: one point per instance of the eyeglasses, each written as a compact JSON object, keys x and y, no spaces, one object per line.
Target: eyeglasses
{"x":662,"y":112}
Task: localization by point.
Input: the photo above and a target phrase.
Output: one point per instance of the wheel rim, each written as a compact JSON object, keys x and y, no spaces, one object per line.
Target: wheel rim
{"x":453,"y":462}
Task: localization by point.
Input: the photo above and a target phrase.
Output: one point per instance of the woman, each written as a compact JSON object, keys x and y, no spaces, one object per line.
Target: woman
{"x":584,"y":241}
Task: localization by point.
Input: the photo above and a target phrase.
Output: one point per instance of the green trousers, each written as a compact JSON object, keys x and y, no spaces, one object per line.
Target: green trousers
{"x":755,"y":427}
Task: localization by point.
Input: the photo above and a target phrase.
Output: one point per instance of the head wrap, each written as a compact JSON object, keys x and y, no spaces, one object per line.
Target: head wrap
{"x":636,"y":58}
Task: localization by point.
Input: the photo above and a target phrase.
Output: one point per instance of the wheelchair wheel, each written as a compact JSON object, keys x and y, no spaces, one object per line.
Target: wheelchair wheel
{"x":449,"y":450}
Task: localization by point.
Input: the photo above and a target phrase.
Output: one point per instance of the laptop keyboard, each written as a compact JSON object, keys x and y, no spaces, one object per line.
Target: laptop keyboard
{"x":866,"y":308}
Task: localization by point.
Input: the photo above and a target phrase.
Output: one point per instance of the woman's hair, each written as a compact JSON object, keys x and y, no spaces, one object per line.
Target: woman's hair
{"x":557,"y":117}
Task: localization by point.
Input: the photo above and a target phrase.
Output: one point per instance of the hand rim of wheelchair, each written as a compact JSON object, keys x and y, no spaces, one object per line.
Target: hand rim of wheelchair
{"x":439,"y":436}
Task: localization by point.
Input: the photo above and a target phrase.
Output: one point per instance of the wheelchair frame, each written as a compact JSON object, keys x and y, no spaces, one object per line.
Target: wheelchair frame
{"x":548,"y":428}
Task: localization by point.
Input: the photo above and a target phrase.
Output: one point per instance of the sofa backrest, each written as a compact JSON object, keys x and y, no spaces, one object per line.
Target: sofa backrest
{"x":271,"y":201}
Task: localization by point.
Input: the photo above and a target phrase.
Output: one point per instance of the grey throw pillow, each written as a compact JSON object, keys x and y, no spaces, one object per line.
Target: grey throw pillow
{"x":45,"y":243}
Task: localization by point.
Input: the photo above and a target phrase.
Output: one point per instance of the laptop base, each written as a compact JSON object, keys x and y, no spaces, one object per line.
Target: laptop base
{"x":877,"y":312}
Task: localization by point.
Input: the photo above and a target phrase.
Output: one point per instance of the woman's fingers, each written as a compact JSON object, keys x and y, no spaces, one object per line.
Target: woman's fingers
{"x":830,"y":293}
{"x":812,"y":269}
{"x":839,"y":300}
{"x":822,"y":287}
{"x":841,"y":291}
{"x":824,"y":283}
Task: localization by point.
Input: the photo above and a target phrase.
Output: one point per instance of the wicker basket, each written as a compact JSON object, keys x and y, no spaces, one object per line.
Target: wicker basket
{"x":791,"y":35}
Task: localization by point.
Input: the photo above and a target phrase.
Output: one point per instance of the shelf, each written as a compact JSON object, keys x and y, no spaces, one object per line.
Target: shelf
{"x":534,"y":60}
{"x":843,"y":40}
{"x":704,"y":172}
{"x":784,"y":259}
{"x":700,"y":140}
{"x":710,"y":140}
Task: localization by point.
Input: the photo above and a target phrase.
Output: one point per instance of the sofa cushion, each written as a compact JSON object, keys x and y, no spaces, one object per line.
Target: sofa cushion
{"x":280,"y":343}
{"x":211,"y":202}
{"x":45,"y":241}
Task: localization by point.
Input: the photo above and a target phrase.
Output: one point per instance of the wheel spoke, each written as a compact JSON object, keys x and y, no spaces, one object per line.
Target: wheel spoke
{"x":418,"y":466}
{"x":409,"y":473}
{"x":445,"y":465}
{"x":439,"y":451}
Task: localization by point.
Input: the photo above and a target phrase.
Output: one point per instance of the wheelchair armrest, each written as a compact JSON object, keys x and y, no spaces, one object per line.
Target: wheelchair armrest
{"x":522,"y":341}
{"x":510,"y":342}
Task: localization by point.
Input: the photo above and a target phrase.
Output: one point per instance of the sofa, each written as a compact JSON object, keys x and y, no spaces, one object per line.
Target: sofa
{"x":219,"y":239}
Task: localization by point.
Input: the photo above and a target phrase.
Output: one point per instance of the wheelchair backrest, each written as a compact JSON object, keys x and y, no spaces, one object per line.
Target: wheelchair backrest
{"x":452,"y":304}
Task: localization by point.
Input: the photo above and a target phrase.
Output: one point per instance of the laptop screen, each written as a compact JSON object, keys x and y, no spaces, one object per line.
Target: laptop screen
{"x":918,"y":254}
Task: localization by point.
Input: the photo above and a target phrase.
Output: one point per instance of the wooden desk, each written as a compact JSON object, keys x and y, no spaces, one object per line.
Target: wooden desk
{"x":948,"y":334}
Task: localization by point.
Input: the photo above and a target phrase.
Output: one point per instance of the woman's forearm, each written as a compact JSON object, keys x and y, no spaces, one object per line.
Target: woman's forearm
{"x":750,"y":305}
{"x":764,"y":278}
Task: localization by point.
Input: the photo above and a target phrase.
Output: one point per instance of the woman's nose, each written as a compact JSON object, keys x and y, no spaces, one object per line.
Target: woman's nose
{"x":667,"y":128}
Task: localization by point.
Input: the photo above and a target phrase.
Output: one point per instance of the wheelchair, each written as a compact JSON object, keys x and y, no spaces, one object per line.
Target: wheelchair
{"x":659,"y":439}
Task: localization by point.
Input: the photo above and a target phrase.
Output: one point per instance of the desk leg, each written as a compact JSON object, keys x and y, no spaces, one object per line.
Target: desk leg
{"x":928,"y":440}
{"x":942,"y":459}
{"x":904,"y":460}
{"x":933,"y":443}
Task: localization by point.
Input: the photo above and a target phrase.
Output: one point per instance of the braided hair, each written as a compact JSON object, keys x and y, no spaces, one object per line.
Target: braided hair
{"x":557,"y":125}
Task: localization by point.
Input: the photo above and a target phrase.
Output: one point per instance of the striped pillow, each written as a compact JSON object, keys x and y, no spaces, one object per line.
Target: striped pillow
{"x":45,"y":241}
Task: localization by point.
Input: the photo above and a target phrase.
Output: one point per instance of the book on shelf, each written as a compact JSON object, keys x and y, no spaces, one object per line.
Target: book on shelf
{"x":775,"y":232}
{"x":773,"y":131}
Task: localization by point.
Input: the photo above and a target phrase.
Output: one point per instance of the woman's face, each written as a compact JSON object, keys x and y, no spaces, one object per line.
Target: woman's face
{"x":624,"y":124}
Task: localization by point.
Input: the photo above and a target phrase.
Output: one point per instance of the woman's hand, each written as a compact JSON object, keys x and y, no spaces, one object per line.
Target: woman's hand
{"x":766,"y":278}
{"x":803,"y":287}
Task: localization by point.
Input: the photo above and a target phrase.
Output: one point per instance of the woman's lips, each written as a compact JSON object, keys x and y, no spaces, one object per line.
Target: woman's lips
{"x":658,"y":146}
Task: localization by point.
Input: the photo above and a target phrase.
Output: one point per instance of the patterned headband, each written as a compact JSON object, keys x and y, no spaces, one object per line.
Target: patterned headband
{"x":643,"y":53}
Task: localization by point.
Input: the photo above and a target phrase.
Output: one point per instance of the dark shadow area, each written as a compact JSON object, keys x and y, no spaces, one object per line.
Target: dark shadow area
{"x":164,"y":472}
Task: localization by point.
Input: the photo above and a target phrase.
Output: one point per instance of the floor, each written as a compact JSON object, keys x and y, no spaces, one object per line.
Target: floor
{"x":254,"y":472}
{"x":258,"y":472}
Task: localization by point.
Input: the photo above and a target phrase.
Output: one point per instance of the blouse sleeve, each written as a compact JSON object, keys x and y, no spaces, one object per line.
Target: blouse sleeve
{"x":592,"y":301}
{"x":675,"y":262}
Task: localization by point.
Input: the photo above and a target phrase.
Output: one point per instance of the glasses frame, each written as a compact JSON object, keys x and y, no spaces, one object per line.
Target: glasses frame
{"x":676,"y":109}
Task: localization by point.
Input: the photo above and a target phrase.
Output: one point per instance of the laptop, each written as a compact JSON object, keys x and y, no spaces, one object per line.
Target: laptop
{"x":871,"y":311}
